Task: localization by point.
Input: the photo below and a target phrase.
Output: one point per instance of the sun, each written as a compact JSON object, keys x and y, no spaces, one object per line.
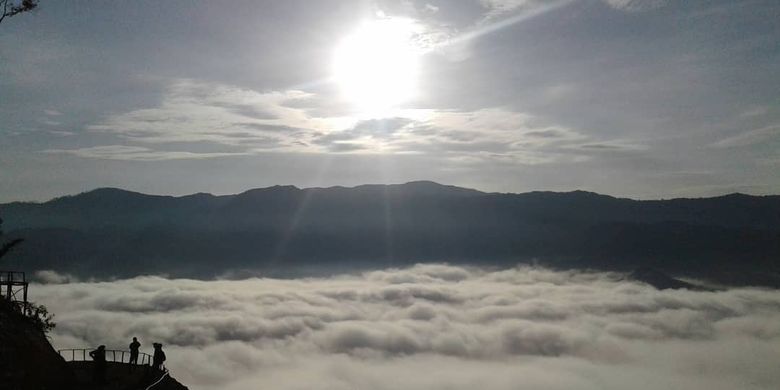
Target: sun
{"x":376,"y":67}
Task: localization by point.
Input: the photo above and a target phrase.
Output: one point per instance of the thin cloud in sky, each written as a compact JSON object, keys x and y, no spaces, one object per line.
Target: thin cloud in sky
{"x":253,"y":122}
{"x":206,"y":112}
{"x":134,"y":153}
{"x":750,"y":137}
{"x":636,"y":5}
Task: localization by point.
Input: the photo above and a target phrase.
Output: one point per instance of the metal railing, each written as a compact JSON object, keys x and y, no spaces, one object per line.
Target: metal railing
{"x":112,"y":355}
{"x":12,"y":277}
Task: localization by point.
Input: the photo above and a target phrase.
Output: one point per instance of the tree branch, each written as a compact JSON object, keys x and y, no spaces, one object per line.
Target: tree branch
{"x":26,"y":5}
{"x":5,"y":10}
{"x":8,"y":245}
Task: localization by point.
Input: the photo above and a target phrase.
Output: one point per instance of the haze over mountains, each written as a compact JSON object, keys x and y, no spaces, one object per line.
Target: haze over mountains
{"x":284,"y":230}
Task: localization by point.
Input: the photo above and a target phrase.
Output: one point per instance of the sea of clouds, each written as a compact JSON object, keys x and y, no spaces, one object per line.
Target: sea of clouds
{"x":430,"y":327}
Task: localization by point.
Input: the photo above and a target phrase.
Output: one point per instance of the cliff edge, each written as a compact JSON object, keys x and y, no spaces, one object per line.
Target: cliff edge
{"x":29,"y":362}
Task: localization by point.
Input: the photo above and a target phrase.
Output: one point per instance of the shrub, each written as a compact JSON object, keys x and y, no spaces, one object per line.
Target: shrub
{"x":40,"y":317}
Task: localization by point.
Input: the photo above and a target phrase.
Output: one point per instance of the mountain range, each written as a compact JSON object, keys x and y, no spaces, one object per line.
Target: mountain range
{"x":285,"y":230}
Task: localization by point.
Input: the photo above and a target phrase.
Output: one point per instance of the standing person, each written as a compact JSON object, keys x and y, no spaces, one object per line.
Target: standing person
{"x":159,"y":357}
{"x":134,"y":352}
{"x":99,"y":356}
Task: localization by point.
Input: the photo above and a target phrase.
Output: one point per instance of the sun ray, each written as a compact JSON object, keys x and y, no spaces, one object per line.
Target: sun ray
{"x":280,"y":248}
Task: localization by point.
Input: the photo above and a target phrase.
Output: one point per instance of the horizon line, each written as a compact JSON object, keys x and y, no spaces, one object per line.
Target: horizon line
{"x":737,"y":193}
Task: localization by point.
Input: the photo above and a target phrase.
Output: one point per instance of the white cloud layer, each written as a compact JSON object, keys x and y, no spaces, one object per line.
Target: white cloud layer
{"x":432,"y":327}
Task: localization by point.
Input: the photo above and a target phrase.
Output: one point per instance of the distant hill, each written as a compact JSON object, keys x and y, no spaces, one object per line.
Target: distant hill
{"x":661,"y":280}
{"x":283,"y":230}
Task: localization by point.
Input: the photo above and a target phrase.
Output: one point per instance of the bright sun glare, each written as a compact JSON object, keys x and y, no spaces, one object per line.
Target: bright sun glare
{"x":376,"y":66}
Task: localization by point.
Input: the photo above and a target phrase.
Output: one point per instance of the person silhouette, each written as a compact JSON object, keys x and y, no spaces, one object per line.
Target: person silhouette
{"x":99,"y":356}
{"x":134,"y":352}
{"x":159,"y":357}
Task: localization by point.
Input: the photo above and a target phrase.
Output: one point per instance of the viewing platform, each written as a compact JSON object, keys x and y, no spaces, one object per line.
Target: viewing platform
{"x":120,"y":374}
{"x":13,"y":288}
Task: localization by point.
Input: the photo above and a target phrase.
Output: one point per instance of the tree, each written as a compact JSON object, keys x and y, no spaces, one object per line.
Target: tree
{"x":40,"y":317}
{"x":11,"y":8}
{"x":6,"y":247}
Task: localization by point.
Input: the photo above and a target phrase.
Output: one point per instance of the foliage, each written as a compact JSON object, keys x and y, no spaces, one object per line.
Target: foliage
{"x":11,"y":8}
{"x":40,"y":317}
{"x":6,"y":247}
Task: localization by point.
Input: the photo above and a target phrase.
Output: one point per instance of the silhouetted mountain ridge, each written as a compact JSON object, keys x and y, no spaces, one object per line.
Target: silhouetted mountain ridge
{"x":732,"y":238}
{"x":660,"y":280}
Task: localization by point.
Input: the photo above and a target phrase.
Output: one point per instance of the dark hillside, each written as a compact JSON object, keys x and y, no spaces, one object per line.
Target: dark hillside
{"x":27,"y":360}
{"x":111,"y":232}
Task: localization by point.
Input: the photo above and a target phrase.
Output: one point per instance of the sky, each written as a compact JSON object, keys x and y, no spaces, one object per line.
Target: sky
{"x":430,"y":327}
{"x":638,"y":98}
